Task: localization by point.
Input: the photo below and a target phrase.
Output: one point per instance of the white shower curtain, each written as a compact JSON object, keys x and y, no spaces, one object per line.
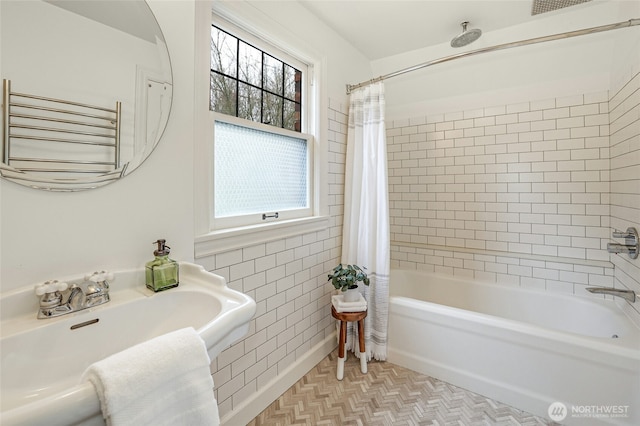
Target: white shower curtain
{"x":365,"y":232}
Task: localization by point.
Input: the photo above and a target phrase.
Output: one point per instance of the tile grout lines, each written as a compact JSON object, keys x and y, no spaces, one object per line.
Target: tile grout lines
{"x":386,"y":395}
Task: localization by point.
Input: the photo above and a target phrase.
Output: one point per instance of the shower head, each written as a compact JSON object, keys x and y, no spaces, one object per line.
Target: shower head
{"x":466,"y":37}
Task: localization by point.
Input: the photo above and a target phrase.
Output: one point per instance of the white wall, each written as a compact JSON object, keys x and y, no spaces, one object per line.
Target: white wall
{"x":48,"y":235}
{"x":542,"y":71}
{"x":46,"y":60}
{"x":624,"y":113}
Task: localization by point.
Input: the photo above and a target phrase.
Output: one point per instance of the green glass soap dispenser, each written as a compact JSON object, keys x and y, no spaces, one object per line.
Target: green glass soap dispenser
{"x":162,"y":273}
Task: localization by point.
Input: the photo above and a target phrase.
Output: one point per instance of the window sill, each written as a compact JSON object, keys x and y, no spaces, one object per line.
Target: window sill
{"x":232,"y":239}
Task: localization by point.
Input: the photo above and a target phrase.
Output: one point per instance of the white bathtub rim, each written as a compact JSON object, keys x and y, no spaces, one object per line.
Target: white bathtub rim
{"x":582,"y":294}
{"x":614,"y":304}
{"x":600,"y":349}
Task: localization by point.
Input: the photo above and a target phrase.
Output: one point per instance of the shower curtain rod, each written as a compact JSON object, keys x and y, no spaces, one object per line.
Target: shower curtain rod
{"x":623,"y":24}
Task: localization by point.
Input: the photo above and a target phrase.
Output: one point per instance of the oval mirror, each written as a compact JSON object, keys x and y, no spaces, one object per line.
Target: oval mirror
{"x":87,"y":90}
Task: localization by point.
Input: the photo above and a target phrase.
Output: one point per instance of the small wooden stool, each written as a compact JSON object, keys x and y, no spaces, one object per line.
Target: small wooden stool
{"x":343,"y":317}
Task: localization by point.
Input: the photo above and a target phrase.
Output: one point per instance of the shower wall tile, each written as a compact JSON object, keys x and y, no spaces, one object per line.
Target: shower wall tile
{"x":624,"y":107}
{"x":529,"y":179}
{"x":542,"y":273}
{"x":287,"y":279}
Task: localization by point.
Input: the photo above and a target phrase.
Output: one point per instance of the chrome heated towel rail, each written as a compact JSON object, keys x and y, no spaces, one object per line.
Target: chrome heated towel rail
{"x":58,"y":137}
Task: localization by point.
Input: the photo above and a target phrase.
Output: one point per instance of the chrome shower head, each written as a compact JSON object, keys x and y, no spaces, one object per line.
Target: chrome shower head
{"x":466,"y":37}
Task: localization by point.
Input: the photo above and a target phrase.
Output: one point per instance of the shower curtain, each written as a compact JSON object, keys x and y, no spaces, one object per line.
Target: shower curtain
{"x":365,"y":232}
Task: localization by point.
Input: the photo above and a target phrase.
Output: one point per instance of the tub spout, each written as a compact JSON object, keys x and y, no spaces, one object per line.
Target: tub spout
{"x":625,"y":294}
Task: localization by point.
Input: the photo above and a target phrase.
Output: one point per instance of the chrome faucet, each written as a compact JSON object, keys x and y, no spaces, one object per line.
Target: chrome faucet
{"x":631,"y":244}
{"x":59,"y":298}
{"x":629,"y":295}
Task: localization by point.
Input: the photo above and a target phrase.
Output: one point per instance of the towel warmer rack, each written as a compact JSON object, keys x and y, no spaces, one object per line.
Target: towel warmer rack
{"x":68,"y":137}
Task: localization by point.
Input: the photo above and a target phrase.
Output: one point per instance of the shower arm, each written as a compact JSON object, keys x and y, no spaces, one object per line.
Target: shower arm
{"x":576,"y":33}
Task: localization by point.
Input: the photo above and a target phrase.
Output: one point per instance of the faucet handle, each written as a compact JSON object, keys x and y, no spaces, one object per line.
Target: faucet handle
{"x":99,"y":276}
{"x":50,"y":287}
{"x":621,"y":234}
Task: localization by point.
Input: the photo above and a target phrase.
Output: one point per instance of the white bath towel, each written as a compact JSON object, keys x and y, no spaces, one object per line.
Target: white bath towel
{"x":341,"y":306}
{"x":164,"y":381}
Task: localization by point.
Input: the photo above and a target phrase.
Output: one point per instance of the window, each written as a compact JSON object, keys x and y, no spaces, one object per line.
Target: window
{"x":260,"y":174}
{"x":262,"y":161}
{"x":249,"y":83}
{"x":248,"y":164}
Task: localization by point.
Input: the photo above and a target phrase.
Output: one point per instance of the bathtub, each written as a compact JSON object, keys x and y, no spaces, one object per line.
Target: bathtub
{"x":525,"y":348}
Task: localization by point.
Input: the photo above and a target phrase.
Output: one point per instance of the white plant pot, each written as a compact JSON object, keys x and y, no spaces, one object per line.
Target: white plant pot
{"x":352,"y":295}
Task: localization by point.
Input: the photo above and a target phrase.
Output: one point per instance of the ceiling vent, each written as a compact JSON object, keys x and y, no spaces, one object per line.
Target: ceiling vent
{"x":543,"y":6}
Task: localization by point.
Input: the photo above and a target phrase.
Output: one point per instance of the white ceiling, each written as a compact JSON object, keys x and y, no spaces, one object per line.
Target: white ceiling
{"x":382,"y":28}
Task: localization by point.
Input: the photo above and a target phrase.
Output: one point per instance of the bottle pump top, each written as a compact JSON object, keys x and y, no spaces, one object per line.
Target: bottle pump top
{"x":163,"y":249}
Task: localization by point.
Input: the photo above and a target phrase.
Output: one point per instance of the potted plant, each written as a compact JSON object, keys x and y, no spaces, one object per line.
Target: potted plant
{"x":346,"y":277}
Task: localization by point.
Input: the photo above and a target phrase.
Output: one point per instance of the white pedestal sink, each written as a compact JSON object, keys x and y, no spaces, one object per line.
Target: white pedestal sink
{"x":42,"y":360}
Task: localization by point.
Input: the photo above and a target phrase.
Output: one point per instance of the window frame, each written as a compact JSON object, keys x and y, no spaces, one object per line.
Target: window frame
{"x":250,"y":27}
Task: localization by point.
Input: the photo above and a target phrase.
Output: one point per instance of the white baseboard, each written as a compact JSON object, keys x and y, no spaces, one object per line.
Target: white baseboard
{"x":250,"y":408}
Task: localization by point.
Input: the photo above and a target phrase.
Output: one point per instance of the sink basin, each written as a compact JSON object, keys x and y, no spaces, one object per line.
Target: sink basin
{"x":42,"y":360}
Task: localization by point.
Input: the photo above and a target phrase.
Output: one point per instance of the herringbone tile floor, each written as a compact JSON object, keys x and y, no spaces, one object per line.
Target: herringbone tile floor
{"x":386,"y":395}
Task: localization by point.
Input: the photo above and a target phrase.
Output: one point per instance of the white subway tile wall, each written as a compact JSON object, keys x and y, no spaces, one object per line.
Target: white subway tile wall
{"x":518,"y":194}
{"x":287,"y":279}
{"x":624,"y":114}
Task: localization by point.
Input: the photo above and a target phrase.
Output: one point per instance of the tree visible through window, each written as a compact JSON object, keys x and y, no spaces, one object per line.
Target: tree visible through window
{"x":248,"y":83}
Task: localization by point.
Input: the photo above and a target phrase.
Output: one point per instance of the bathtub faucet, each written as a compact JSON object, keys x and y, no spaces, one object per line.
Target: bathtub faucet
{"x":631,"y":244}
{"x":625,"y":294}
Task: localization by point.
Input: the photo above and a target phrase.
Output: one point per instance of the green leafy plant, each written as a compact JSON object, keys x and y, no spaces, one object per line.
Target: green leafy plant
{"x":345,"y":277}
